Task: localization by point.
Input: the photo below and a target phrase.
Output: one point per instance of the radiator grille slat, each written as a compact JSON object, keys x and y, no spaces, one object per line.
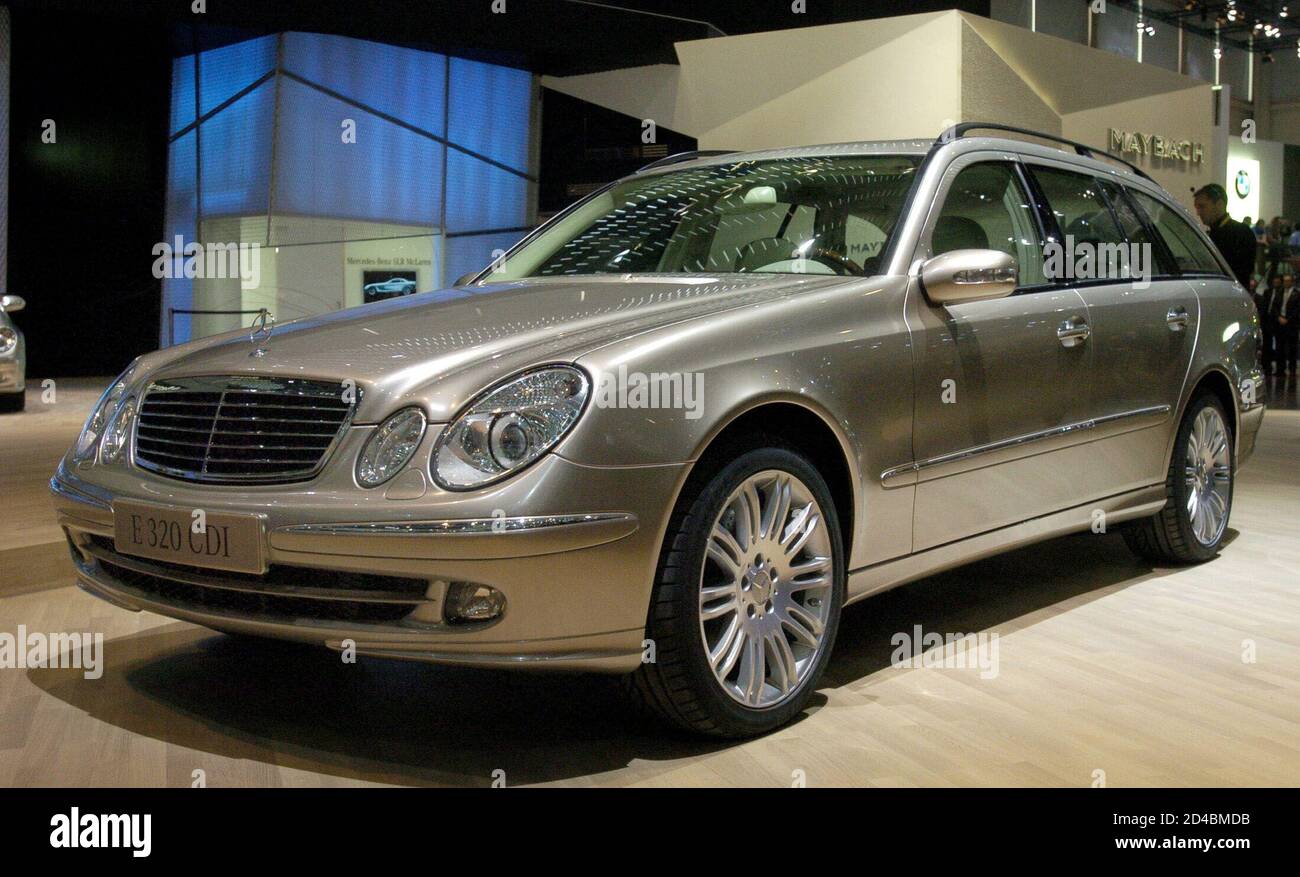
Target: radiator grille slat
{"x":239,"y":429}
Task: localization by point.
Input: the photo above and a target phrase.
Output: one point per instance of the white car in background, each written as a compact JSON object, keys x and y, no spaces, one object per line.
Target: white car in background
{"x":13,"y":356}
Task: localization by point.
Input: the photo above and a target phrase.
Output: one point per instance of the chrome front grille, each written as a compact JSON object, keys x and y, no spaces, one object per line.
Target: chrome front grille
{"x":239,"y":430}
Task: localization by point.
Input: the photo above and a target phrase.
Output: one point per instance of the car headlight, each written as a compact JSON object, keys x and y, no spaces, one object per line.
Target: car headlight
{"x":509,"y":427}
{"x":117,"y":432}
{"x":8,"y":340}
{"x":91,"y":433}
{"x":390,"y":447}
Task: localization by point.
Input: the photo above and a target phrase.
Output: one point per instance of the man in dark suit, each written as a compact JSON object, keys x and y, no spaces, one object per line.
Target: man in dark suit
{"x":1267,"y":302}
{"x":1286,"y":305}
{"x":1235,"y":241}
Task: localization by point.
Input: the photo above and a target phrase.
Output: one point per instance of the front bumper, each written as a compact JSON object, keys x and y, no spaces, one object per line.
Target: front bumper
{"x":347,"y":564}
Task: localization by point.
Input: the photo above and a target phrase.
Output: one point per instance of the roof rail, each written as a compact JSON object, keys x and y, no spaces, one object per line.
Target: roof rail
{"x":684,"y":156}
{"x":1083,"y":149}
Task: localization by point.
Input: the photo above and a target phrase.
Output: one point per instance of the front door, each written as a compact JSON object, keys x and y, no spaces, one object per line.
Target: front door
{"x":1000,"y":384}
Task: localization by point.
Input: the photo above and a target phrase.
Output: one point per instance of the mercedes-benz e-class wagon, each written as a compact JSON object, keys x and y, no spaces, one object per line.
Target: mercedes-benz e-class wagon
{"x":676,"y":429}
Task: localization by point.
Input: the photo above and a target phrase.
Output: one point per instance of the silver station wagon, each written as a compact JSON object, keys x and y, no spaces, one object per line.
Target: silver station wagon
{"x":676,"y":429}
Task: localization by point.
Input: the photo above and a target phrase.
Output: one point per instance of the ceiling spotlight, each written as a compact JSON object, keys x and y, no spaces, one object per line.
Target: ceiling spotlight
{"x":1283,"y":12}
{"x":1146,"y":28}
{"x":1218,"y":53}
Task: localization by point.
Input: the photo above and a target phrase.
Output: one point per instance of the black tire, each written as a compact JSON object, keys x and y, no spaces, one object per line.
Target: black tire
{"x":13,"y":401}
{"x":1168,"y":536}
{"x":679,"y":686}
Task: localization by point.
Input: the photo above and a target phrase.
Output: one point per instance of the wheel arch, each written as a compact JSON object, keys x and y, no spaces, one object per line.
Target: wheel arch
{"x":1217,"y":381}
{"x":805,"y":427}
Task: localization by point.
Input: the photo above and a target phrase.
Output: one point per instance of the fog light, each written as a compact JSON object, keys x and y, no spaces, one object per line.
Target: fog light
{"x":467,"y":601}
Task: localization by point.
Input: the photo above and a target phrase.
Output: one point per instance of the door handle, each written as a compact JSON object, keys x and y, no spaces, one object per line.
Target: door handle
{"x":1177,"y":318}
{"x":1073,"y":332}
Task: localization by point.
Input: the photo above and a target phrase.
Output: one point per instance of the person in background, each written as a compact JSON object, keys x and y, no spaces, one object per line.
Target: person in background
{"x":1261,"y":244}
{"x":1267,"y":303}
{"x":1294,"y":241}
{"x":1279,"y":248}
{"x":1288,"y":325}
{"x":1235,"y":241}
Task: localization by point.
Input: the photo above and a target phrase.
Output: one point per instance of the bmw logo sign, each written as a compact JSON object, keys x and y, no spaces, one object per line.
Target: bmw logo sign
{"x":1242,"y":184}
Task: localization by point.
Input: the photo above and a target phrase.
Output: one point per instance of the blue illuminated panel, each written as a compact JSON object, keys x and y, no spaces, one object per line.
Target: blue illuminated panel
{"x":404,"y":83}
{"x":390,"y":174}
{"x":223,"y":72}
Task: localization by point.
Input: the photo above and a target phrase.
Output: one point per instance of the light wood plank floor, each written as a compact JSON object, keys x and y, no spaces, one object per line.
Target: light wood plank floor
{"x":1104,"y":665}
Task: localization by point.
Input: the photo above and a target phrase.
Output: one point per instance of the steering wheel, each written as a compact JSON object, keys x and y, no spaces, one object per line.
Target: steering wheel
{"x":764,"y":251}
{"x":834,"y":260}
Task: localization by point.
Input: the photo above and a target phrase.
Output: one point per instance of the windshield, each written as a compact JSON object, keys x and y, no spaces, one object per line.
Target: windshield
{"x":809,"y":215}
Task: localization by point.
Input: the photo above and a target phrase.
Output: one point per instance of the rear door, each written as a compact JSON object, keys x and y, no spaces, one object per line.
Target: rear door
{"x":1143,"y":317}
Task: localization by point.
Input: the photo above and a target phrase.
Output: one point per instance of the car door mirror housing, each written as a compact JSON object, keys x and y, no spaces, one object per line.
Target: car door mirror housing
{"x":969,"y":275}
{"x":11,"y":303}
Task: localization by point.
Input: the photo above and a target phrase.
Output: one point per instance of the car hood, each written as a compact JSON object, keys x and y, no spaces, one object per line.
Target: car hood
{"x":439,"y":349}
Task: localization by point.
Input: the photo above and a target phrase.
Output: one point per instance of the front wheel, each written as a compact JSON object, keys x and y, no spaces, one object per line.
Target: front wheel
{"x":747,"y":600}
{"x":1191,"y":526}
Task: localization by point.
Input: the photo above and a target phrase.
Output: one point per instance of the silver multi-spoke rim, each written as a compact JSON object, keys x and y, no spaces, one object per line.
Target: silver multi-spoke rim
{"x":766,"y":589}
{"x":1209,"y":476}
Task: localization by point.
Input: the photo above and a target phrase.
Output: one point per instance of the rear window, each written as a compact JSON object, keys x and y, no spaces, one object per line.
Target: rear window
{"x":1189,"y":251}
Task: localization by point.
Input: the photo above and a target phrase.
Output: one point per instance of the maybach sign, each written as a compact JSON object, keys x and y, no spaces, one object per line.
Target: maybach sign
{"x":1154,"y":145}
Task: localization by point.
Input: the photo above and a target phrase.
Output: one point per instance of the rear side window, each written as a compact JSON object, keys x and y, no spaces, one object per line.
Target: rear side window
{"x":1152,"y":254}
{"x":1080,"y":209}
{"x":1189,"y":251}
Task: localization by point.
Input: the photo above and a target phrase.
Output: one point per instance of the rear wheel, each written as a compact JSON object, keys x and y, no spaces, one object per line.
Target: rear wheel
{"x":1191,"y":526}
{"x":747,"y":601}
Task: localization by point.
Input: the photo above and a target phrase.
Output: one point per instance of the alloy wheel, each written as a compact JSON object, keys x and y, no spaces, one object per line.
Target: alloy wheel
{"x":1209,"y":476}
{"x":766,"y":589}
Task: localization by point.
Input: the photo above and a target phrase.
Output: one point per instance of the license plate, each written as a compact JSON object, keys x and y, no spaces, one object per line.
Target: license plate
{"x":216,"y":540}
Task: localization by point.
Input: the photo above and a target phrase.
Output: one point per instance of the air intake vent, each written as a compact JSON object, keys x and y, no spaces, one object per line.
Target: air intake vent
{"x":238,"y":429}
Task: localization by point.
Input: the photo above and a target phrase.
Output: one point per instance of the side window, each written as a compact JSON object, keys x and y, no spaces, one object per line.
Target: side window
{"x":1154,"y":259}
{"x":1189,"y":251}
{"x":1077,"y":202}
{"x":986,"y":209}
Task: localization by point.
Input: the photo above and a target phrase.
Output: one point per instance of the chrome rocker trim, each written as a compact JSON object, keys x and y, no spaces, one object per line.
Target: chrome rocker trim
{"x":889,"y":478}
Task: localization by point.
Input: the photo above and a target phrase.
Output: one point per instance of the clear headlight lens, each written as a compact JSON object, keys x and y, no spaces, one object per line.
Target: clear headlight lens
{"x":390,"y":447}
{"x":118,"y":432}
{"x":509,"y":427}
{"x":8,"y":340}
{"x":88,"y":441}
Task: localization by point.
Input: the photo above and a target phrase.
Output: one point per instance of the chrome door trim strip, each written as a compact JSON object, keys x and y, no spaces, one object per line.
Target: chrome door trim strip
{"x":898,"y":472}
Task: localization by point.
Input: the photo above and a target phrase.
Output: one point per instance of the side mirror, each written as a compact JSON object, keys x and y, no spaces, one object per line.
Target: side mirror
{"x":969,"y":275}
{"x":465,"y":278}
{"x":11,"y":303}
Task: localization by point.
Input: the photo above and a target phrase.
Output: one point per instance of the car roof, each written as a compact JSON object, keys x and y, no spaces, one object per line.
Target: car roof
{"x":947,"y":150}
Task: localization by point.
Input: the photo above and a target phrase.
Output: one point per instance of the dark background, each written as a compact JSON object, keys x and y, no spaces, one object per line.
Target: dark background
{"x":84,"y":213}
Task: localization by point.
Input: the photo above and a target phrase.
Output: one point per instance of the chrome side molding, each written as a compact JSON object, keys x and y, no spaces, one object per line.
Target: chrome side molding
{"x":892,"y":475}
